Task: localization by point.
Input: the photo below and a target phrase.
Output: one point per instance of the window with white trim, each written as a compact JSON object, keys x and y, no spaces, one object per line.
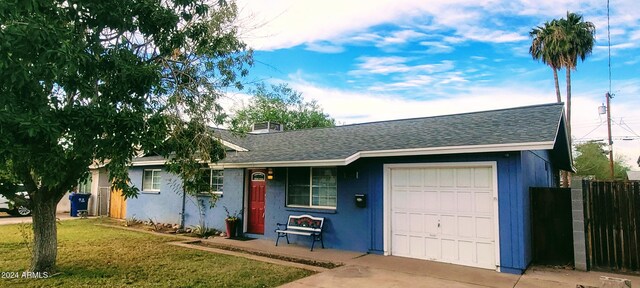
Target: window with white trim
{"x":312,"y":187}
{"x":151,"y":180}
{"x":214,"y":180}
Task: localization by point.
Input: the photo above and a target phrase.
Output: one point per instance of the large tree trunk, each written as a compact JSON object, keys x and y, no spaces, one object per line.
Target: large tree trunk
{"x":555,"y":79}
{"x":45,"y":233}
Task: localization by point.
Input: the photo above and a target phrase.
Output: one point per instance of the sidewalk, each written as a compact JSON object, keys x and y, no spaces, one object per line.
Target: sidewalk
{"x":6,"y":219}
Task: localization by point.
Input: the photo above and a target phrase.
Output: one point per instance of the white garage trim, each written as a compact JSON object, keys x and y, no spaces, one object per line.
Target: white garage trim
{"x":388,"y":207}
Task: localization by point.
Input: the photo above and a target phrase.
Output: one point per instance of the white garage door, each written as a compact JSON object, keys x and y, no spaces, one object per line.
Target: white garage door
{"x":444,"y":213}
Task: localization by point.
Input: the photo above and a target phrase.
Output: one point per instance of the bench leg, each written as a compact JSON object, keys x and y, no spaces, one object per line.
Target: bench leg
{"x":321,"y":241}
{"x":285,"y":235}
{"x":313,"y":237}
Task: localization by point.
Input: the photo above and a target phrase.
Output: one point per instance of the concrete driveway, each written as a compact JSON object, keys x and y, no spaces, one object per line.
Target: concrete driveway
{"x":389,"y":271}
{"x":8,"y":219}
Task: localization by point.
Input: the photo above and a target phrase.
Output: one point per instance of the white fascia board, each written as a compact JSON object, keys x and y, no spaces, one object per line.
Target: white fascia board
{"x":303,"y":163}
{"x":453,"y":150}
{"x":233,"y":146}
{"x":149,"y":163}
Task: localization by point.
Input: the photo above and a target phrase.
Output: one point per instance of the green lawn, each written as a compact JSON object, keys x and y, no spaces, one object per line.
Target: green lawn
{"x":91,"y":255}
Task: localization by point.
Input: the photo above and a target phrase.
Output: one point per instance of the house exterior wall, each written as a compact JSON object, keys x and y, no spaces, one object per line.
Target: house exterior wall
{"x":232,"y":198}
{"x":361,"y":229}
{"x":165,"y":206}
{"x":347,"y":227}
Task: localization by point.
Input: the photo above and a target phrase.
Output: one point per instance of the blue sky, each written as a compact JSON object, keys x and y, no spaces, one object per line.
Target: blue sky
{"x":377,"y":60}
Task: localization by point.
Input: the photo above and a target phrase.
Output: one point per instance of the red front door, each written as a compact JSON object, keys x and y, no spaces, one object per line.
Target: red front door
{"x":257,"y":194}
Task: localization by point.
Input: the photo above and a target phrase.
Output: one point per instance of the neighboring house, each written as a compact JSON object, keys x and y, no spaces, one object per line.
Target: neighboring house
{"x":448,"y":188}
{"x":633,"y":175}
{"x":96,"y":184}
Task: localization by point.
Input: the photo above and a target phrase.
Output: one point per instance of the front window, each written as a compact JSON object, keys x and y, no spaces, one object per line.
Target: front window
{"x":312,"y":187}
{"x":151,"y":180}
{"x":213,"y":180}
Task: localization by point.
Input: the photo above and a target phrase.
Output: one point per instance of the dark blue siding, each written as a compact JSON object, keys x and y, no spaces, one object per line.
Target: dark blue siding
{"x":347,"y":227}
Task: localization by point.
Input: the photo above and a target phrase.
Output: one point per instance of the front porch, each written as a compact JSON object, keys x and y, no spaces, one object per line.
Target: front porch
{"x":284,"y":250}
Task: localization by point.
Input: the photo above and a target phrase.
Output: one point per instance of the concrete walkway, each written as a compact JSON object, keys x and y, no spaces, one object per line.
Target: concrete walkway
{"x":391,"y":271}
{"x":368,"y":270}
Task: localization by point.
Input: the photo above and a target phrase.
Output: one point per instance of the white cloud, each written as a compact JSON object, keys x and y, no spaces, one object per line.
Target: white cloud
{"x":436,"y":47}
{"x":401,"y":37}
{"x":396,"y":64}
{"x":287,"y":23}
{"x":324,"y":47}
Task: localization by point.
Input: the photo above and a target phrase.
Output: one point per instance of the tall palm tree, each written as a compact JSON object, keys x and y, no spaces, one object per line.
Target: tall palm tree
{"x":559,"y":44}
{"x":577,"y":40}
{"x":544,"y":47}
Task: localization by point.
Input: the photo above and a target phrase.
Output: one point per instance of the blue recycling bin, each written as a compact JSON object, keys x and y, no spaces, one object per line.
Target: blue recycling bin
{"x":78,"y":202}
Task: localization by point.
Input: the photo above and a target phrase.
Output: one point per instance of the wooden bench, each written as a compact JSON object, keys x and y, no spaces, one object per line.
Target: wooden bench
{"x":305,"y":225}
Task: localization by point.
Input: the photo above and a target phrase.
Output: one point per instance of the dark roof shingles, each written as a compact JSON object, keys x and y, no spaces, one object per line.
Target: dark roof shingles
{"x":507,"y":126}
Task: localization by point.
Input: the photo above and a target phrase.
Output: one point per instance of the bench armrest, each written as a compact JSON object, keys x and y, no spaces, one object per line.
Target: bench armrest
{"x":281,"y":225}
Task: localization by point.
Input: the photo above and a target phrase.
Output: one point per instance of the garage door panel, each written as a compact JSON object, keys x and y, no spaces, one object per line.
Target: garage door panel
{"x":417,"y":223}
{"x":482,"y":178}
{"x":415,"y":178}
{"x":448,"y":225}
{"x":465,"y":202}
{"x":466,"y":251}
{"x":400,"y":222}
{"x":431,"y":224}
{"x":466,"y":227}
{"x":415,"y":200}
{"x":449,"y":250}
{"x":400,"y":178}
{"x":446,"y":177}
{"x":448,"y":201}
{"x":484,"y":228}
{"x":431,"y":200}
{"x":463,"y":177}
{"x":430,"y":178}
{"x":483,"y":202}
{"x":400,"y":245}
{"x":486,"y":254}
{"x":444,"y":214}
{"x":417,"y":246}
{"x":399,"y":200}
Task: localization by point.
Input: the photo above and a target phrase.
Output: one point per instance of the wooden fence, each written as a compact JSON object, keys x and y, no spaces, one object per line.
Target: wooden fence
{"x":612,"y":223}
{"x":551,"y":228}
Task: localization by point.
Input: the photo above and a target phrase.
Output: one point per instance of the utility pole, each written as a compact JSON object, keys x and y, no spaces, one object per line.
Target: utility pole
{"x":608,"y":96}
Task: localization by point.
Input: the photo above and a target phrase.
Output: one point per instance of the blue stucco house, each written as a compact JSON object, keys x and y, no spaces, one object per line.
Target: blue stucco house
{"x":449,"y":188}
